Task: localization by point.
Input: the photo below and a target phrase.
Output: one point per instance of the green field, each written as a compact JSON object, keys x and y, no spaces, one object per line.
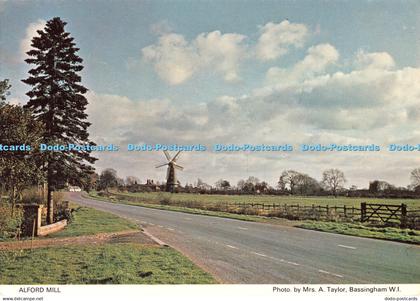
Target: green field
{"x":268,"y":199}
{"x":122,"y":263}
{"x":88,"y":221}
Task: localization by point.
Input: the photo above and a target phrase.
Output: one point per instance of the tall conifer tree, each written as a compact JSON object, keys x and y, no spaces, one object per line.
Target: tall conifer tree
{"x":57,"y":99}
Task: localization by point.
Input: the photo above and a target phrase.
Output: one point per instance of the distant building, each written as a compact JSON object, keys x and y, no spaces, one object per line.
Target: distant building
{"x":75,"y":189}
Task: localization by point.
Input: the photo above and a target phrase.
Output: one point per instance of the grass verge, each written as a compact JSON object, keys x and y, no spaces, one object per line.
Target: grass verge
{"x":122,"y":263}
{"x":388,"y":233}
{"x":88,"y":221}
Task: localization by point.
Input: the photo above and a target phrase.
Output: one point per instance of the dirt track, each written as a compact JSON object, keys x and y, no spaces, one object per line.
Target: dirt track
{"x":115,"y":237}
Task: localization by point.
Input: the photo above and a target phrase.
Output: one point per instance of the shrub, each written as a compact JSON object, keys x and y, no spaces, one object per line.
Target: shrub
{"x":164,"y":199}
{"x":10,"y":221}
{"x":61,"y":208}
{"x":32,"y":195}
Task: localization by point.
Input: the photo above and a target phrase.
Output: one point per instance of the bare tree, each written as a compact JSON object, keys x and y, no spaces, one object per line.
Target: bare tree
{"x":289,"y":179}
{"x":415,"y":177}
{"x":333,"y":180}
{"x":241,"y":184}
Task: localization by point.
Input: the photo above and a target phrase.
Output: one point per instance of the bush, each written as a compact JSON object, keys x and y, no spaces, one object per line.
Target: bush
{"x":62,"y":210}
{"x":10,"y":221}
{"x":31,"y":195}
{"x":164,"y":199}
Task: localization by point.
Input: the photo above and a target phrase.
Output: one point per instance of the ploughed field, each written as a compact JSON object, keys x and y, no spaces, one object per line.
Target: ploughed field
{"x":267,"y":199}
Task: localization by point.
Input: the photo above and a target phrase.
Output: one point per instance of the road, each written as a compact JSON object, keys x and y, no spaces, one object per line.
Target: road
{"x":247,"y":252}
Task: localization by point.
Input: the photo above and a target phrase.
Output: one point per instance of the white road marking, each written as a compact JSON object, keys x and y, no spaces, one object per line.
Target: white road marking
{"x":232,"y":247}
{"x":326,"y":272}
{"x":242,"y":228}
{"x":285,"y":261}
{"x":347,"y":247}
{"x":292,"y":263}
{"x":160,"y":226}
{"x":170,"y":229}
{"x":259,"y":254}
{"x":151,"y":224}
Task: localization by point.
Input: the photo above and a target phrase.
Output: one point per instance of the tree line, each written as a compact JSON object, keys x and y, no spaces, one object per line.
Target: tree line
{"x":290,"y":182}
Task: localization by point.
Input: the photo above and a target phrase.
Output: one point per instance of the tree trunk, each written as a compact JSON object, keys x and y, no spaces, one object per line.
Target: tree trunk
{"x":50,"y":206}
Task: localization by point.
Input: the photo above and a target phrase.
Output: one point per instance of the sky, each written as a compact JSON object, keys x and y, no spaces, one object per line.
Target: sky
{"x":258,"y":72}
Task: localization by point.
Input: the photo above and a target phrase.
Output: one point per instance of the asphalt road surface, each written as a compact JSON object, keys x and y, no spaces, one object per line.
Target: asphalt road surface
{"x":247,"y":252}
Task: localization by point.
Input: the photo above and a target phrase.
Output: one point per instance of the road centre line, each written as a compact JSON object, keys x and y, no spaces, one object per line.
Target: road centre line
{"x":284,"y":261}
{"x":232,"y":247}
{"x":326,"y":272}
{"x":292,"y":263}
{"x":242,"y":228}
{"x":347,"y":247}
{"x":259,"y":254}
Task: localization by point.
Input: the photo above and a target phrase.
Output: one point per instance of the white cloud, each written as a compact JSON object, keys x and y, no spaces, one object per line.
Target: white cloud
{"x":223,"y":51}
{"x":176,"y":60}
{"x":368,"y":98}
{"x":374,"y":60}
{"x":318,"y":58}
{"x":30,"y":32}
{"x":276,"y":39}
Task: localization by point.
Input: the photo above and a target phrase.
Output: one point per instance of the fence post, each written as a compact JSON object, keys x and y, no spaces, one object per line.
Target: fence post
{"x":345,"y":211}
{"x":363,"y":212}
{"x":403,"y":223}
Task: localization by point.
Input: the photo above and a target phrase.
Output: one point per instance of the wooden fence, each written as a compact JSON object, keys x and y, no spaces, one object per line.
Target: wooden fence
{"x":297,"y":211}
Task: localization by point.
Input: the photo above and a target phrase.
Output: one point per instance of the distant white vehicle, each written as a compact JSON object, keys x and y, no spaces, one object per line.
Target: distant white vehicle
{"x":74,"y":189}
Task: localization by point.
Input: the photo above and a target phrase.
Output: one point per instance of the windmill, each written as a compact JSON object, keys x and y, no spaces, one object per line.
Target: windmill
{"x":171,"y":182}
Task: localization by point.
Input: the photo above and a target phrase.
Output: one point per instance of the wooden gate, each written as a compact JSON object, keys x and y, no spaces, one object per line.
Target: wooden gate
{"x":384,"y":213}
